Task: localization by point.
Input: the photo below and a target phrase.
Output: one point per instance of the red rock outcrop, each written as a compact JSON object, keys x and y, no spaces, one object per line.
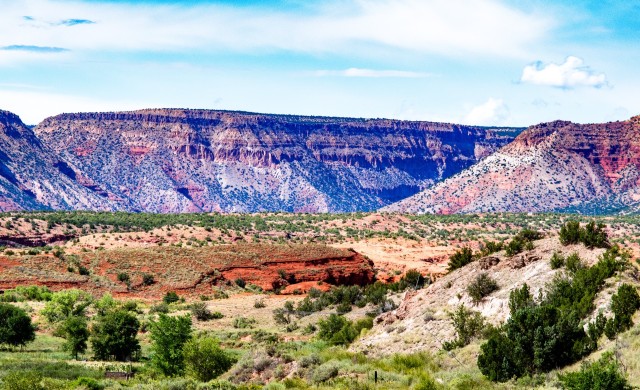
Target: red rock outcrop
{"x":192,"y":271}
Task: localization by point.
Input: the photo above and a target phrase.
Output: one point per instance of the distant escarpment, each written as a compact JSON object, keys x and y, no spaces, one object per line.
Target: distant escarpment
{"x":557,"y":166}
{"x":32,"y":176}
{"x":171,"y":160}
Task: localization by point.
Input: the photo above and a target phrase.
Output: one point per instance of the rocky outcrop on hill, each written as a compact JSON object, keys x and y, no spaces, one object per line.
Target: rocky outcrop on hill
{"x":190,"y":270}
{"x":200,"y":160}
{"x":422,"y":322}
{"x":557,"y":166}
{"x":32,"y":177}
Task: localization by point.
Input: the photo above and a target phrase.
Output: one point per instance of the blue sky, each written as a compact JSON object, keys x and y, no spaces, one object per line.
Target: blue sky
{"x":485,"y":62}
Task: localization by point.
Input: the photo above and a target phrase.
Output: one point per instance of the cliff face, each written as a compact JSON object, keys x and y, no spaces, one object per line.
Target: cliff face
{"x":557,"y":166}
{"x":32,"y":177}
{"x":197,"y":160}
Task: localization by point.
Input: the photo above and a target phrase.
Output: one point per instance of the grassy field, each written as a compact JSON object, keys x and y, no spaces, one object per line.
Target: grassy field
{"x":271,"y":354}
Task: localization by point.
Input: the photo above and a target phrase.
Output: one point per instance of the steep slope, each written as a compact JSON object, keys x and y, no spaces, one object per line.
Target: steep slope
{"x":557,"y":166}
{"x":421,"y":322}
{"x":32,"y":177}
{"x":198,"y":160}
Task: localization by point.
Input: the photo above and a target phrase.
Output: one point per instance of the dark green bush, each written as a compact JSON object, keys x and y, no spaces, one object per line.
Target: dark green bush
{"x":481,"y":287}
{"x":573,"y":262}
{"x":170,"y":297}
{"x":546,"y":335}
{"x":557,"y":260}
{"x":624,"y":304}
{"x":459,"y":259}
{"x":570,"y":233}
{"x":16,"y":328}
{"x":592,"y":235}
{"x":489,"y":247}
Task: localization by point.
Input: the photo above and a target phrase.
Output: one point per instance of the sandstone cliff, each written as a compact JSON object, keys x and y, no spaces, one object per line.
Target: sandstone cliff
{"x":557,"y":166}
{"x":199,"y":160}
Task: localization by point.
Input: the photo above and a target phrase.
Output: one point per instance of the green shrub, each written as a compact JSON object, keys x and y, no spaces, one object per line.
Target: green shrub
{"x":489,"y":247}
{"x":481,"y":287}
{"x":592,"y":235}
{"x":240,"y":283}
{"x":159,"y":308}
{"x":570,"y":233}
{"x":604,"y":374}
{"x":546,"y":335}
{"x":557,"y":260}
{"x":624,"y":304}
{"x":574,"y":263}
{"x":22,"y":380}
{"x":468,"y":324}
{"x":205,"y":360}
{"x":170,"y":297}
{"x":325,"y":372}
{"x":200,"y":311}
{"x":459,"y":259}
{"x":243,"y":322}
{"x":148,"y":279}
{"x":124,"y":277}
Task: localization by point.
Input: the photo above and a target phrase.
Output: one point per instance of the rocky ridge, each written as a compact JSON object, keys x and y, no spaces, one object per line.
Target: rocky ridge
{"x":557,"y":166}
{"x":32,"y":176}
{"x":173,"y":160}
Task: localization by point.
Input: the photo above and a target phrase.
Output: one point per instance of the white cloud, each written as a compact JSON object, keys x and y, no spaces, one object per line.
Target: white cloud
{"x":33,"y":105}
{"x":570,"y":74}
{"x":371,"y":73}
{"x":453,"y":28}
{"x":490,"y":113}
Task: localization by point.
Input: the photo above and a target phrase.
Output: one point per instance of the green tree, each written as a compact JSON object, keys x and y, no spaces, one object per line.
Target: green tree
{"x":205,"y":360}
{"x":113,"y":336}
{"x":105,"y":304}
{"x":16,"y":328}
{"x":65,"y":304}
{"x":169,"y":335}
{"x":624,"y":304}
{"x":76,"y":333}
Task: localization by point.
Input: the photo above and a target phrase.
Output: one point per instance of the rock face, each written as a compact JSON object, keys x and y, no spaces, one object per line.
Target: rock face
{"x":32,"y":177}
{"x":197,"y":160}
{"x":557,"y":166}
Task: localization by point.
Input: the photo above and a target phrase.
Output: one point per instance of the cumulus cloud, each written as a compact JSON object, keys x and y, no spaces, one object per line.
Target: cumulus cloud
{"x":371,"y":73}
{"x":337,"y":26}
{"x":490,"y":113}
{"x":570,"y":74}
